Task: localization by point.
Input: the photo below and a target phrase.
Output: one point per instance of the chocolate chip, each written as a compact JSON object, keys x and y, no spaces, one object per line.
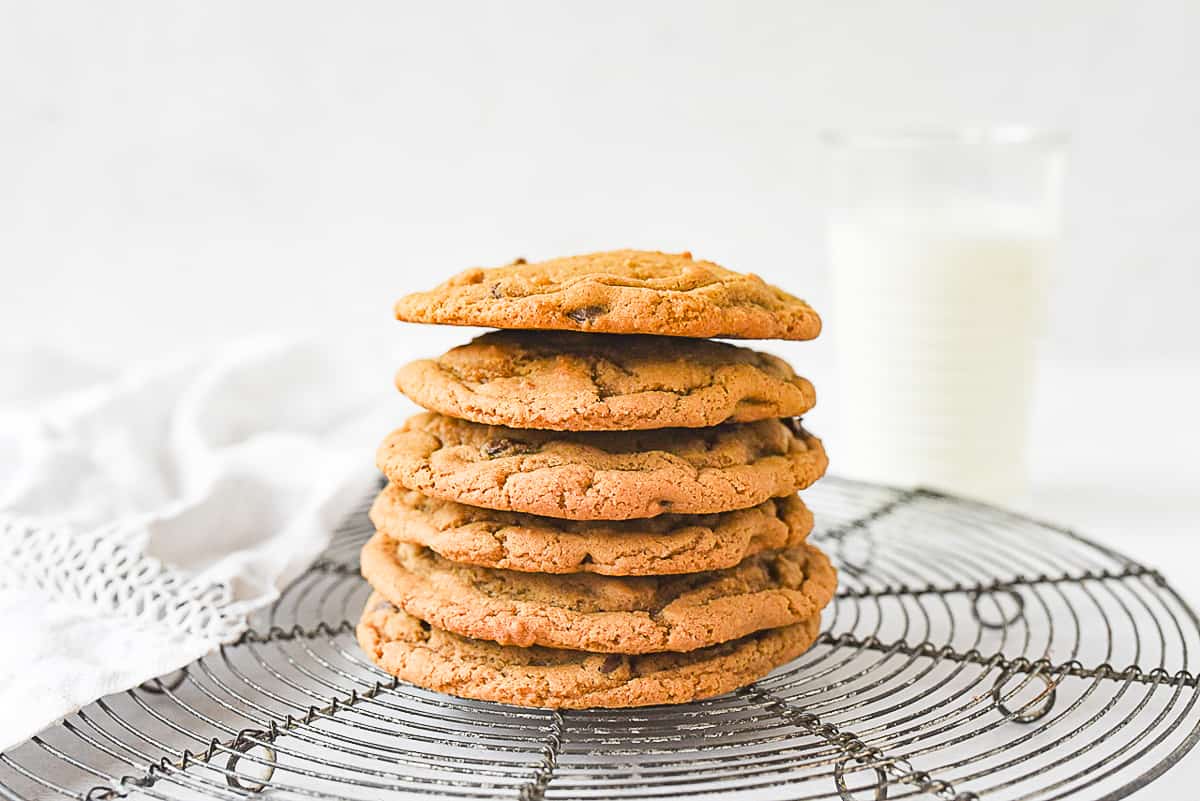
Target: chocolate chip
{"x":611,"y":663}
{"x":496,"y":293}
{"x":505,"y":446}
{"x":586,"y":313}
{"x":425,"y":625}
{"x":773,"y":571}
{"x":795,"y":425}
{"x":518,"y":260}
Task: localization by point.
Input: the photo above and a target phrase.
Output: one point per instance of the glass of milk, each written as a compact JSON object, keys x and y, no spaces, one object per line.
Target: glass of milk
{"x":940,"y":248}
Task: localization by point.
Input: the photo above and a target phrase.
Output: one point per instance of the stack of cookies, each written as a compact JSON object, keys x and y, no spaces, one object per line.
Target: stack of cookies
{"x":599,"y":508}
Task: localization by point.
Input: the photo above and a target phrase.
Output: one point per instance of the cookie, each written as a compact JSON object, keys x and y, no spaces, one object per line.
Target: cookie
{"x":416,"y":652}
{"x":602,"y":475}
{"x":567,"y":381}
{"x":642,"y":547}
{"x":604,"y":614}
{"x":617,"y":292}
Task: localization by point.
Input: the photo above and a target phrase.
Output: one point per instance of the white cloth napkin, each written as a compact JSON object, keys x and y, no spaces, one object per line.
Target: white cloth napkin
{"x":143,"y":515}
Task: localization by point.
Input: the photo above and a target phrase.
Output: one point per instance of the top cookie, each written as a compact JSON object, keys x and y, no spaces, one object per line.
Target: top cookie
{"x":567,"y":381}
{"x":617,"y":292}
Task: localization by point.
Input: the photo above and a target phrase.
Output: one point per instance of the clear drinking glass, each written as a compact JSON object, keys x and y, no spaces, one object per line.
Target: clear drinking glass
{"x":940,"y":248}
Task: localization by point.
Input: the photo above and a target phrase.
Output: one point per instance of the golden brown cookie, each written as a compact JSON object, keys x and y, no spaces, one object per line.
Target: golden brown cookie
{"x":416,"y":652}
{"x":604,"y":614}
{"x":642,"y":547}
{"x":567,"y":381}
{"x":602,"y":475}
{"x":617,"y":292}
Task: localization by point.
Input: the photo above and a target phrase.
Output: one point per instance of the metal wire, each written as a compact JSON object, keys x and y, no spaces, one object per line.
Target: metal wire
{"x":971,"y":653}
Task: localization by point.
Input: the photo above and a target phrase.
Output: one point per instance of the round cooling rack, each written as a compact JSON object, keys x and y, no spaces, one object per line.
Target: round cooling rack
{"x":971,"y":653}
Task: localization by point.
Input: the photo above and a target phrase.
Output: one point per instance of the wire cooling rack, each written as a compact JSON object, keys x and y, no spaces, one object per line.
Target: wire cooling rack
{"x":971,"y":653}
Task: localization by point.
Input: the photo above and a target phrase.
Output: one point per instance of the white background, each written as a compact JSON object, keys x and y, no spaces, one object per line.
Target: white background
{"x":195,"y":170}
{"x":178,"y":174}
{"x":174,"y":175}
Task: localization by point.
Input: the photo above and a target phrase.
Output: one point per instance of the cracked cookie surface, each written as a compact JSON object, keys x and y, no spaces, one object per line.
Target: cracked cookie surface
{"x":602,"y":475}
{"x":603,"y":614}
{"x":617,"y":292}
{"x":578,"y":382}
{"x":416,"y":652}
{"x":659,"y":545}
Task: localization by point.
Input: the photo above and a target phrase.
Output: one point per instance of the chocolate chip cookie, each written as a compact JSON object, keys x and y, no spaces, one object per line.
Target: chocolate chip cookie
{"x":642,"y":547}
{"x":608,"y":475}
{"x":617,"y":292}
{"x":414,"y":651}
{"x":603,"y":614}
{"x":586,"y":382}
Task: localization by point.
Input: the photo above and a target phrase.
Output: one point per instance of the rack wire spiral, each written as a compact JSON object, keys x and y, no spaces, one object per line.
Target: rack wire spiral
{"x":971,"y":653}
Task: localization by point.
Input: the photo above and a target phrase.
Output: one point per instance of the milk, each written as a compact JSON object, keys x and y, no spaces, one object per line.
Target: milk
{"x":934,"y":322}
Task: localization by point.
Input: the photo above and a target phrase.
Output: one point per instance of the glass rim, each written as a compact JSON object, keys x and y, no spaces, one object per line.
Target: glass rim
{"x":971,"y":135}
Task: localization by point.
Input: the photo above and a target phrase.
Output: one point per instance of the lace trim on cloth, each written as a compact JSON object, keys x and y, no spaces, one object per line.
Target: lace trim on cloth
{"x":104,"y":571}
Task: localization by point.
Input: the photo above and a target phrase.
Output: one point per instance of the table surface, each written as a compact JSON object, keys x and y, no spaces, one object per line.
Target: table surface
{"x":1116,"y":455}
{"x":1156,"y":526}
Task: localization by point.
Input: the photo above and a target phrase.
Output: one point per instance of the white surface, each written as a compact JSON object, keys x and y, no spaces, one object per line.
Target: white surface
{"x":1115,"y":454}
{"x":144,"y":516}
{"x":1116,"y":457}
